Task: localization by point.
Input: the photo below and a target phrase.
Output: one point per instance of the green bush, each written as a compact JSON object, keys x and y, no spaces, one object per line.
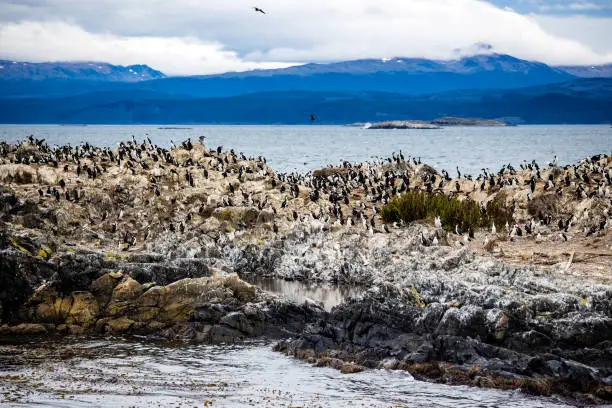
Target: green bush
{"x":498,"y":211}
{"x":416,"y":205}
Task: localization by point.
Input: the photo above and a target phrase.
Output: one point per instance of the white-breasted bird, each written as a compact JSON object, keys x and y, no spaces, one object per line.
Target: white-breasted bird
{"x":438,"y":222}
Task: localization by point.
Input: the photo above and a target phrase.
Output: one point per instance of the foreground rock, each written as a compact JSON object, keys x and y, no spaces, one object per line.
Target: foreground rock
{"x":460,"y":343}
{"x":210,"y":309}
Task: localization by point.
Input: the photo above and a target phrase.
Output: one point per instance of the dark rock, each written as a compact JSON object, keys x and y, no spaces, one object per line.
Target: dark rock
{"x":526,"y":341}
{"x":20,"y":274}
{"x":209,"y":314}
{"x":430,"y":319}
{"x":238,"y":321}
{"x":424,"y":353}
{"x":164,"y":273}
{"x":456,"y":349}
{"x":223,"y":334}
{"x":467,"y":321}
{"x":32,"y":221}
{"x":582,"y":329}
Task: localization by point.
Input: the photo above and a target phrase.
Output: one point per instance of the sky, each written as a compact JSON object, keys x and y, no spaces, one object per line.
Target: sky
{"x":190,"y":37}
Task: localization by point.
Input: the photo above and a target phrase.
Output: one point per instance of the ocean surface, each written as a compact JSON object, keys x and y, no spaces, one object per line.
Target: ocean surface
{"x":118,"y":373}
{"x":301,"y":148}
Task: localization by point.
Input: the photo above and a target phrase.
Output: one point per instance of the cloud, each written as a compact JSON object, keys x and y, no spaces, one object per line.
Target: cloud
{"x":58,"y":41}
{"x":595,"y":31}
{"x":204,"y":36}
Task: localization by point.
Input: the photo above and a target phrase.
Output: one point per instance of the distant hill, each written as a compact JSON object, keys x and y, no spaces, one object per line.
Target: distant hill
{"x":466,"y":65}
{"x":398,"y":75}
{"x":575,"y":102}
{"x":482,"y":86}
{"x":79,"y":71}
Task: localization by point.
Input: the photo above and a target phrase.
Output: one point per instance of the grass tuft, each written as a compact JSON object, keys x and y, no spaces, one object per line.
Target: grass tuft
{"x":416,"y":205}
{"x":498,"y":211}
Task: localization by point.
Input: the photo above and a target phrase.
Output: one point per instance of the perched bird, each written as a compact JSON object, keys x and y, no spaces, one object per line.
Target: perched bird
{"x":438,"y":222}
{"x":514,"y":232}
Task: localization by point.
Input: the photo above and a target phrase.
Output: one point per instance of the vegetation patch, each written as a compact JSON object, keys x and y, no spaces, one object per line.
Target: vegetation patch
{"x":542,"y":204}
{"x":416,"y":205}
{"x":18,"y":246}
{"x":413,"y":297}
{"x":113,"y":256}
{"x":44,"y":253}
{"x":498,"y":211}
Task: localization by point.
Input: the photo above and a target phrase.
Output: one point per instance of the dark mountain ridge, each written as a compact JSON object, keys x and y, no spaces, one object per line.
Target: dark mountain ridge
{"x":483,"y":86}
{"x":398,"y":75}
{"x":576,"y":102}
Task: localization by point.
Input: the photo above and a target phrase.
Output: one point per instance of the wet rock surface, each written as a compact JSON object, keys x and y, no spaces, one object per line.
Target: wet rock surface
{"x":460,"y":342}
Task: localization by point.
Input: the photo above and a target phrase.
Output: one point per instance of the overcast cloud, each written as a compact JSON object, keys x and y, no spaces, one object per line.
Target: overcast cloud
{"x":204,"y":36}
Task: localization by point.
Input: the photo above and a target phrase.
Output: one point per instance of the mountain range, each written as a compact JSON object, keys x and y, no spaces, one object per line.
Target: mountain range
{"x":94,"y":71}
{"x":484,"y":86}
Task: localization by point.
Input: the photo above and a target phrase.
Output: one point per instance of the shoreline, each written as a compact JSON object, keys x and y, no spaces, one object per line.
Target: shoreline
{"x":146,"y":240}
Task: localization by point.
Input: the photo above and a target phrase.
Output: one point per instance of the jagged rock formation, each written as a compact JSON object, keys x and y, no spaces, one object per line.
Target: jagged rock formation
{"x":214,"y":309}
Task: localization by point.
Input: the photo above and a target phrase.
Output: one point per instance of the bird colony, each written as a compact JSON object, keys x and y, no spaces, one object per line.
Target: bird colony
{"x":140,"y":195}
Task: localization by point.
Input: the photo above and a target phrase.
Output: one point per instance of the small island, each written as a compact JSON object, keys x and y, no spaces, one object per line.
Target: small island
{"x":434,"y":124}
{"x":401,"y":124}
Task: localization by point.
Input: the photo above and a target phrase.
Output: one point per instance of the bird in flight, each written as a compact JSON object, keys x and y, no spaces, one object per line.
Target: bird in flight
{"x":258,"y":10}
{"x":312,"y":117}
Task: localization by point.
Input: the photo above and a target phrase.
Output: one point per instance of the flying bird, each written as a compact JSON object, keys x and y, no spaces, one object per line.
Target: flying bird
{"x":258,"y":10}
{"x":312,"y":117}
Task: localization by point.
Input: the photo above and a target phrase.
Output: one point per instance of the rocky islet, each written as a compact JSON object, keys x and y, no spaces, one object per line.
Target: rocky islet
{"x":147,"y":240}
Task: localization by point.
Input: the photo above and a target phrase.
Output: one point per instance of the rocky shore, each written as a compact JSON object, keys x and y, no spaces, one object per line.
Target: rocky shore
{"x":145,"y":240}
